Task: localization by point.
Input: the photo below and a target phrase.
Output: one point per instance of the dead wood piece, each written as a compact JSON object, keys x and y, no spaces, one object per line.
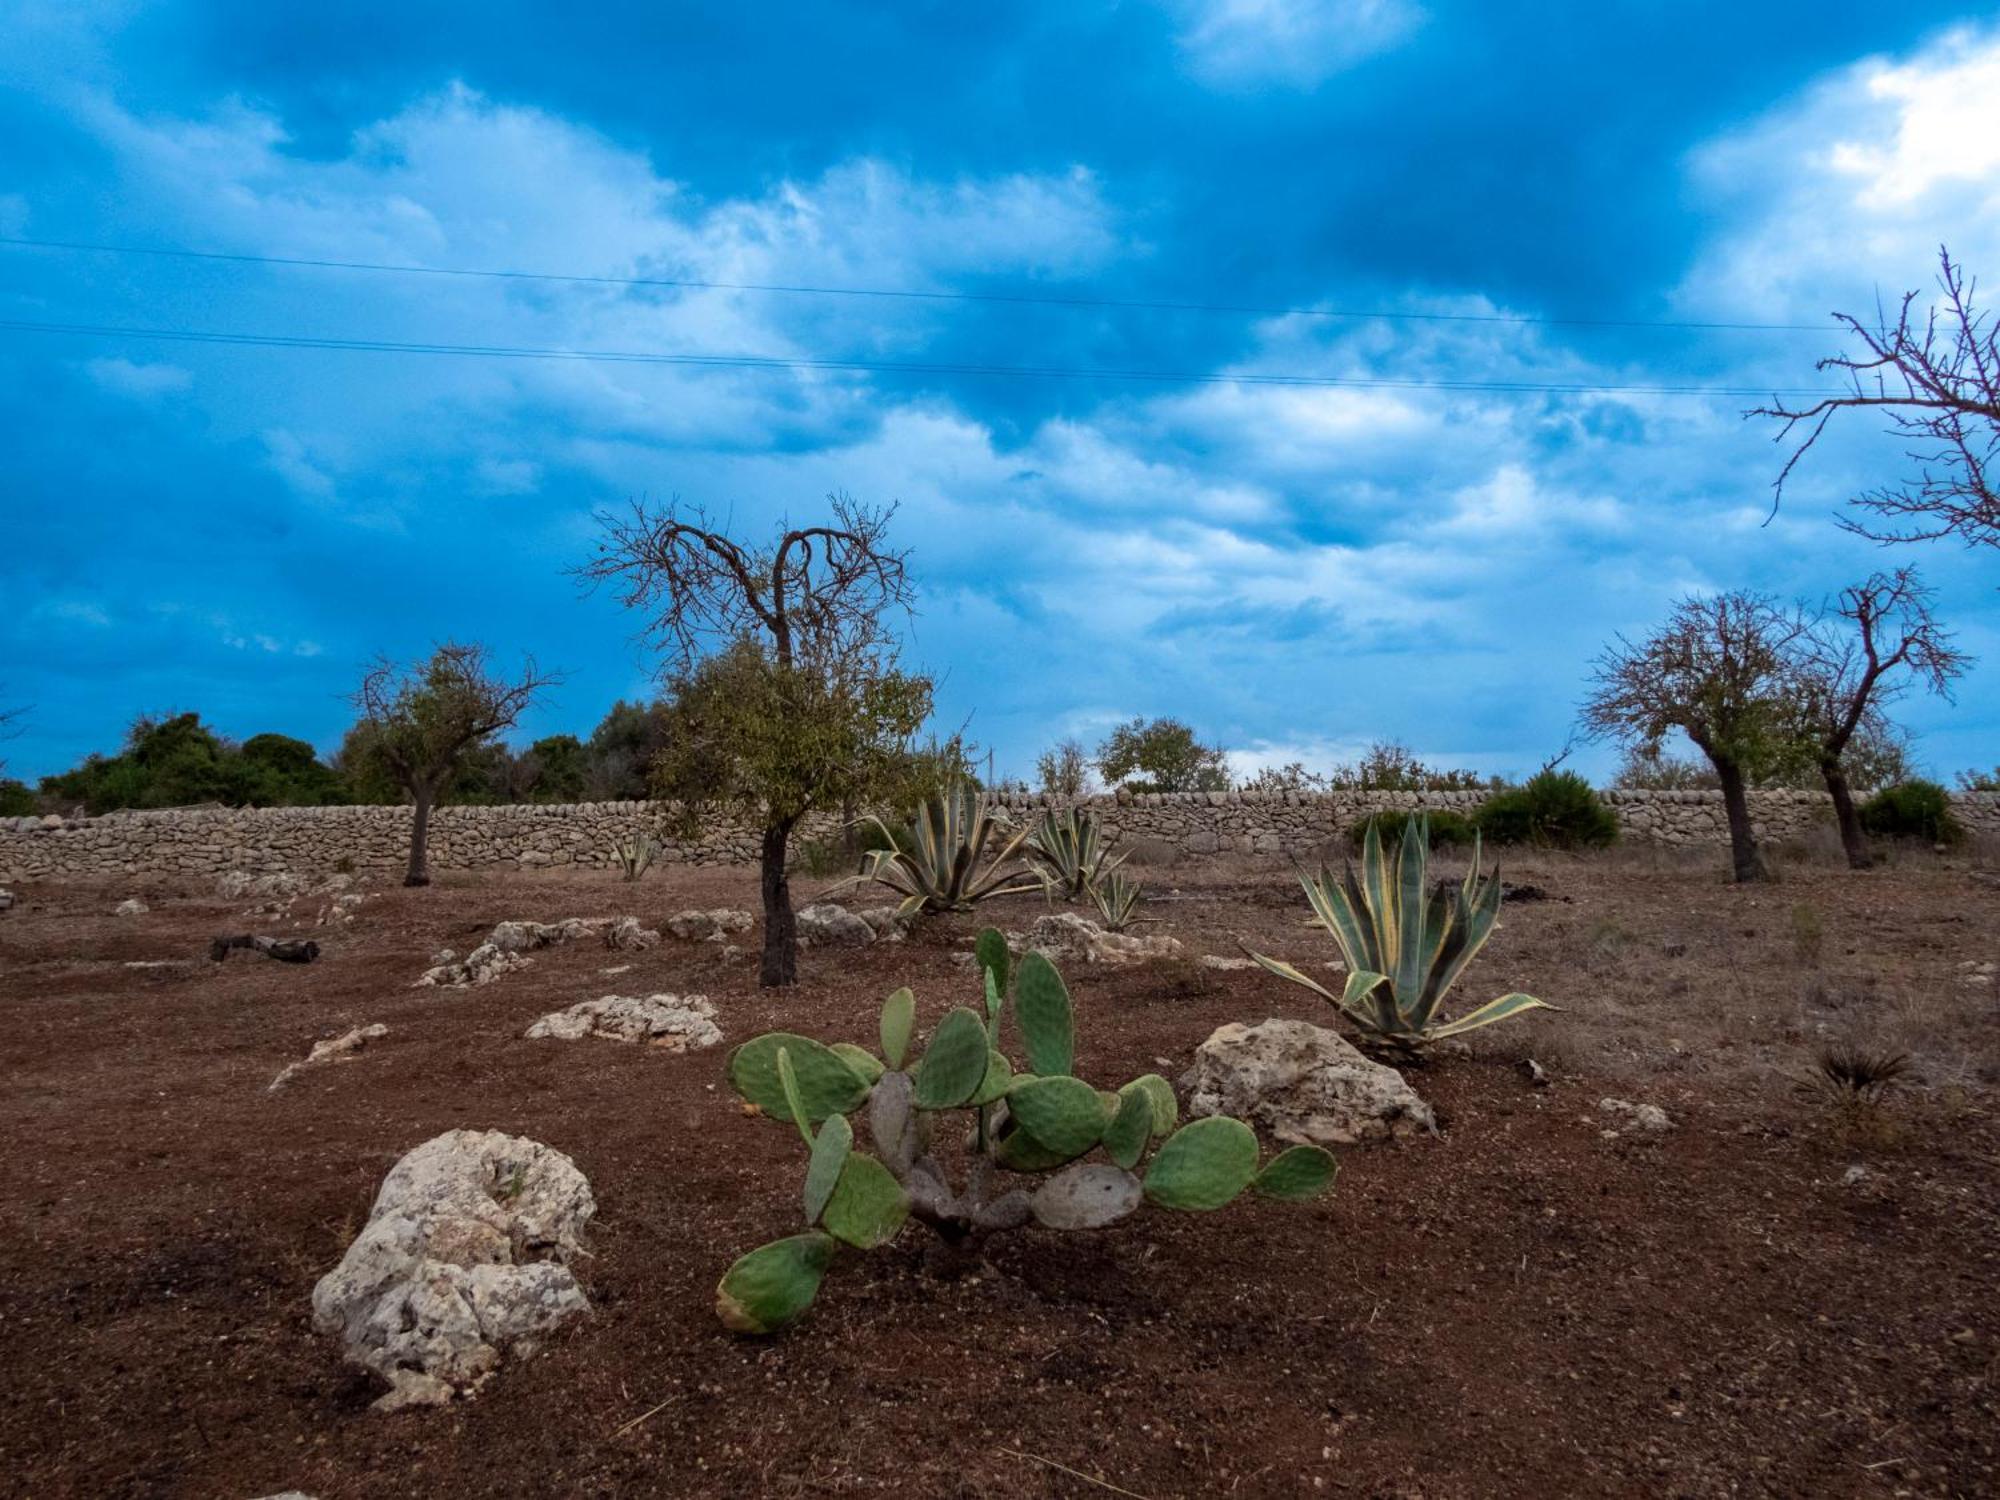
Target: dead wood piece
{"x":284,"y":950}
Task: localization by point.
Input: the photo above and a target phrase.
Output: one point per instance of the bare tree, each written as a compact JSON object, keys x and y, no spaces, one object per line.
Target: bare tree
{"x":1064,"y":769}
{"x":1936,"y":376}
{"x":1717,"y":671}
{"x":1861,"y":655}
{"x":418,"y":722}
{"x":815,"y":601}
{"x":10,"y":726}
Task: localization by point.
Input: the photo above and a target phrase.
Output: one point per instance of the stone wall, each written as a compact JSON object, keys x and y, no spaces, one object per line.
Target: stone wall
{"x":309,"y":839}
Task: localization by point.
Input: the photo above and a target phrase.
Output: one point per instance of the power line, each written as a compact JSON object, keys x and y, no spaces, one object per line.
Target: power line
{"x":890,"y":367}
{"x":897,"y":293}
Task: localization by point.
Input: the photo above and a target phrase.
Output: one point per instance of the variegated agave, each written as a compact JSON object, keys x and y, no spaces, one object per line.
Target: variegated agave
{"x":1067,"y":848}
{"x":946,"y":866}
{"x":1117,"y":900}
{"x":1404,"y":940}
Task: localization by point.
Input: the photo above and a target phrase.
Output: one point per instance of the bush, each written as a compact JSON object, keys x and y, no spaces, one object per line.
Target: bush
{"x":1554,"y":810}
{"x":1448,"y":829}
{"x":1912,"y":809}
{"x":16,"y":801}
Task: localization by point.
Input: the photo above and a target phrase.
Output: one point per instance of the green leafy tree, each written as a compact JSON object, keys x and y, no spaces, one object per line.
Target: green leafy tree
{"x":417,"y":723}
{"x":1718,"y":671}
{"x":1063,"y":770}
{"x":556,"y":769}
{"x":786,"y":696}
{"x":621,"y":749}
{"x":1387,"y":766}
{"x":1160,"y":755}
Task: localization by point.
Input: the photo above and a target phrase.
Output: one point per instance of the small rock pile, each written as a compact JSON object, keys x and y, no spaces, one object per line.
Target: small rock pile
{"x":672,"y":1023}
{"x":507,"y":946}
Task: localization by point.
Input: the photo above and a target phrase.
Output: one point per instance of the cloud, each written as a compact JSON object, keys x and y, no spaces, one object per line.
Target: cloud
{"x":1296,"y":43}
{"x":1847,"y":188}
{"x":141,"y":382}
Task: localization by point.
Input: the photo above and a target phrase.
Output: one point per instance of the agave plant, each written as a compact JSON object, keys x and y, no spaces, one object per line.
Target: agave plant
{"x":1405,"y":941}
{"x":636,"y":854}
{"x":1117,"y":898}
{"x":946,"y":866}
{"x":1067,"y":848}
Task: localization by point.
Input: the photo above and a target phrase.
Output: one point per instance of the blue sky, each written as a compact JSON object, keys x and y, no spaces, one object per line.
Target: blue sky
{"x":1295,"y":570}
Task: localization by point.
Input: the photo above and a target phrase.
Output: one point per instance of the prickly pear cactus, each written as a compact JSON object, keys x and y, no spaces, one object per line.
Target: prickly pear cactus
{"x":1084,"y":1151}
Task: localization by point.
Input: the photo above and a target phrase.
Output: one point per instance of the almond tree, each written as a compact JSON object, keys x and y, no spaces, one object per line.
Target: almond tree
{"x":1717,"y":671}
{"x":1936,"y":377}
{"x":418,"y":722}
{"x":1870,"y":644}
{"x":786,"y":695}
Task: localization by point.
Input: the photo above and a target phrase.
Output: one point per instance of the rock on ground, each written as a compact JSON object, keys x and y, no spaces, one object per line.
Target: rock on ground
{"x":131,"y":906}
{"x":1647,"y":1117}
{"x":889,"y":923}
{"x":333,"y":1049}
{"x":1304,"y":1084}
{"x":627,"y":935}
{"x":464,"y":1257}
{"x":1225,"y":963}
{"x":672,"y":1023}
{"x":708,"y":926}
{"x":6,"y":899}
{"x":825,"y":925}
{"x":1062,"y":936}
{"x":482,"y":965}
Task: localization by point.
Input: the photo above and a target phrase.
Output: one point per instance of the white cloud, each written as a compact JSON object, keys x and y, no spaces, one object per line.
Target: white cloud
{"x":141,"y":382}
{"x":1298,"y":43}
{"x":1849,"y":187}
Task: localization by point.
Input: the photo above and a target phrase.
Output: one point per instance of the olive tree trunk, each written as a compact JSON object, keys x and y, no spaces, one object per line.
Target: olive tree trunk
{"x":1744,"y":856}
{"x":420,"y":837}
{"x":781,"y":927}
{"x":1845,"y":814}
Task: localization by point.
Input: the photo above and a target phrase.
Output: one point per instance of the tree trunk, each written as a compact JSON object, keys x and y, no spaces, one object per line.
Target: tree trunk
{"x":1748,"y":863}
{"x":420,"y":839}
{"x":1844,"y":813}
{"x":781,"y":928}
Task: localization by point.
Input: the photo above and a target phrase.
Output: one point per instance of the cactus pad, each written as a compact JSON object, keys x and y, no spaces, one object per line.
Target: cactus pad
{"x":868,"y":1205}
{"x":827,"y":1085}
{"x":773,"y":1284}
{"x":1043,"y":1012}
{"x":990,"y":950}
{"x":1297,"y":1174}
{"x":829,"y":1154}
{"x":899,"y":1014}
{"x":1064,"y":1114}
{"x":867,"y":1066}
{"x":999,"y":1075}
{"x":1130,"y":1128}
{"x":955,"y":1063}
{"x":1203,"y":1165}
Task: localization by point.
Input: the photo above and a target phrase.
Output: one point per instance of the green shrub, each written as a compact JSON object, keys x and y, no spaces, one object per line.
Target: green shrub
{"x":1554,"y":810}
{"x":16,"y":801}
{"x":1914,"y":810}
{"x":1448,"y":829}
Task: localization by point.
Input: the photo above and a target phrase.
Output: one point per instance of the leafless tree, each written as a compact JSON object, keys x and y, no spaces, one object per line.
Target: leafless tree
{"x":1063,"y":770}
{"x":1869,"y":645}
{"x":816,"y":599}
{"x":1717,"y":671}
{"x":1935,"y":374}
{"x":417,"y":722}
{"x":10,"y":726}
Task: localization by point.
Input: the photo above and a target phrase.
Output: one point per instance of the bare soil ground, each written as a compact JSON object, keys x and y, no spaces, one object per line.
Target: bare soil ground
{"x":1519,"y":1305}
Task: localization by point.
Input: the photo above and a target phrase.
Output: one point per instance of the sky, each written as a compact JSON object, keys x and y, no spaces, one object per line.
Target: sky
{"x":1405,"y":549}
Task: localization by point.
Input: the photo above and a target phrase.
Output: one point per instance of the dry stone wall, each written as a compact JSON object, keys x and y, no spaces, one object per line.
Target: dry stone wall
{"x":314,"y":839}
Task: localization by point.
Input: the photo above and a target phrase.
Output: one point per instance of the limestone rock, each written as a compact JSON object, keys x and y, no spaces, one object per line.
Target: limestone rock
{"x":672,"y":1023}
{"x":708,"y":926}
{"x":333,"y":1049}
{"x":234,"y":885}
{"x":1647,"y":1117}
{"x":131,"y":906}
{"x":824,"y":925}
{"x":1302,"y":1083}
{"x":6,"y":899}
{"x":482,"y":965}
{"x":627,"y":935}
{"x":464,"y":1257}
{"x":889,"y":923}
{"x":1225,"y":963}
{"x":1063,"y":936}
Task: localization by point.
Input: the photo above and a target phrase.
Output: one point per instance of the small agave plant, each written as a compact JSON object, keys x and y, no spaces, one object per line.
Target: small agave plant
{"x":1031,"y":1135}
{"x":1068,"y":850}
{"x":1405,"y":940}
{"x":947,"y":866}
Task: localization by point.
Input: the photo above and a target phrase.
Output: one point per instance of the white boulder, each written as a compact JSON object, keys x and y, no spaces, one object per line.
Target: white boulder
{"x":334,"y":1049}
{"x":672,"y":1023}
{"x":464,"y":1256}
{"x":131,"y":906}
{"x":1305,"y":1084}
{"x":825,"y":925}
{"x":1063,"y":936}
{"x":708,"y":926}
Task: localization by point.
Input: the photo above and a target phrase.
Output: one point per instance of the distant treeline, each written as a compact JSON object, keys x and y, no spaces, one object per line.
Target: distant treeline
{"x":178,"y":761}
